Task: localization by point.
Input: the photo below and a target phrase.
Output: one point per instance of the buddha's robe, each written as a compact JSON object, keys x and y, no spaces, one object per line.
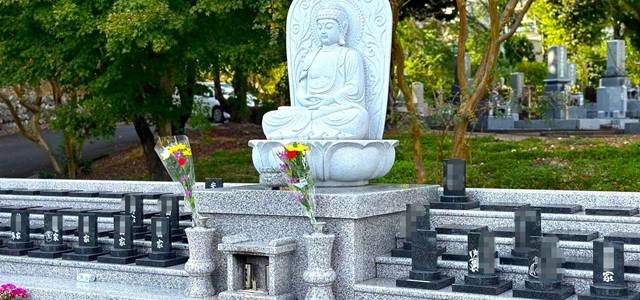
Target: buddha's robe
{"x":330,"y":99}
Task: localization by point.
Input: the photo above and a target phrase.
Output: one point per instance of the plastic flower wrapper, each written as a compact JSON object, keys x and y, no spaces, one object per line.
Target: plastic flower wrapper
{"x":295,"y":165}
{"x":176,"y":156}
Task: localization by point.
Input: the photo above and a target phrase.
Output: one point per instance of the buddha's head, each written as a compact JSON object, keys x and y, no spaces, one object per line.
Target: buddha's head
{"x":332,"y":24}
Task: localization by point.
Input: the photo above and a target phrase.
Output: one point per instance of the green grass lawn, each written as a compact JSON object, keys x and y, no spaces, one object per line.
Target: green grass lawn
{"x":561,"y":163}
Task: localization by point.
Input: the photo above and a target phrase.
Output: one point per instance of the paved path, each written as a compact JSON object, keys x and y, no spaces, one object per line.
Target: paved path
{"x":21,"y":158}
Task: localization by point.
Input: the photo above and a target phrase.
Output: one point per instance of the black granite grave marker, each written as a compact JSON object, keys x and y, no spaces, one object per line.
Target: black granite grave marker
{"x":213,"y":183}
{"x":558,"y":208}
{"x":417,"y":217}
{"x":612,"y":211}
{"x":501,"y":206}
{"x":56,"y":193}
{"x":459,"y":229}
{"x":117,"y":195}
{"x":608,"y":273}
{"x":20,"y":243}
{"x":88,"y":248}
{"x":86,"y":194}
{"x":424,"y":272}
{"x":26,"y":192}
{"x":52,"y":246}
{"x":527,"y":225}
{"x":481,"y":277}
{"x":543,"y":280}
{"x":574,"y":235}
{"x":123,"y":251}
{"x":454,"y":195}
{"x":161,"y":254}
{"x":625,"y":237}
{"x":134,"y":206}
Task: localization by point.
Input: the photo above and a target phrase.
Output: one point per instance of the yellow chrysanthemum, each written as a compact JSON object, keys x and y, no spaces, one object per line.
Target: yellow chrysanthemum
{"x":297,"y":148}
{"x":186,"y":152}
{"x":176,"y":148}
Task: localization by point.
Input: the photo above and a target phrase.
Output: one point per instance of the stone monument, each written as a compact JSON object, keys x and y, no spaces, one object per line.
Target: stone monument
{"x":528,"y":226}
{"x":554,"y":86}
{"x":454,"y":195}
{"x":338,"y":55}
{"x":417,"y":217}
{"x":612,"y":93}
{"x":424,"y":272}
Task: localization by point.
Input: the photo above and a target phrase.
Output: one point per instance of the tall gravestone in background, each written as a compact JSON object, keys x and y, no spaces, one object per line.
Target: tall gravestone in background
{"x":338,"y":58}
{"x":554,"y":86}
{"x":612,"y":93}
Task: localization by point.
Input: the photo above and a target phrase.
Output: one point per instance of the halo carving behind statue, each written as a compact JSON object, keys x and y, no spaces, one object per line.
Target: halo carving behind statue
{"x":368,"y":32}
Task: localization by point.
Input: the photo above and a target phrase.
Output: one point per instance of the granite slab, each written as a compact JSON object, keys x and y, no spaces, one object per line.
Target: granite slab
{"x":612,"y":211}
{"x":558,"y":208}
{"x":574,"y":235}
{"x":458,"y":228}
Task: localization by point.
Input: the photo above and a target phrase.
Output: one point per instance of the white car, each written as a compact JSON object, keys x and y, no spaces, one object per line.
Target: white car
{"x":204,"y":97}
{"x":228,"y":91}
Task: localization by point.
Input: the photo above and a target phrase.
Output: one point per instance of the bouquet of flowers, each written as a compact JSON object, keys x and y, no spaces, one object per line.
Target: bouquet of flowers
{"x":177,"y":158}
{"x":9,"y":291}
{"x":295,"y":165}
{"x":575,"y":89}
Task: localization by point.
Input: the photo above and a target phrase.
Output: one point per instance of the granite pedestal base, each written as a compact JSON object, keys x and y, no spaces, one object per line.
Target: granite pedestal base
{"x":50,"y":251}
{"x":426,"y":280}
{"x":17,"y":248}
{"x":121,"y":256}
{"x":607,"y":292}
{"x":162,"y":260}
{"x":483,"y":284}
{"x":564,"y":292}
{"x":85,"y":253}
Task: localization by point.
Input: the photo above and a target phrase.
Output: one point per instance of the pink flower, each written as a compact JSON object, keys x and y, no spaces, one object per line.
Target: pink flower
{"x":8,"y":286}
{"x":19,"y":292}
{"x":188,"y":193}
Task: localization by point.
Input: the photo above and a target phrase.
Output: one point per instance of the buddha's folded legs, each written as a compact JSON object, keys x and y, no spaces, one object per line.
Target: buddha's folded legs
{"x":334,"y":122}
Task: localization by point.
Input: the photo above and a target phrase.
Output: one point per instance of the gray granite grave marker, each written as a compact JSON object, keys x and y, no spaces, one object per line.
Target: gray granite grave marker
{"x":20,"y":242}
{"x":608,"y":273}
{"x":454,"y":195}
{"x":123,"y":251}
{"x":424,"y":272}
{"x":53,"y":246}
{"x":161,"y":254}
{"x":88,"y":248}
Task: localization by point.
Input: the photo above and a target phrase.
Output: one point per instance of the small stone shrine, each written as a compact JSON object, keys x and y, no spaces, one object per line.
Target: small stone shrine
{"x":608,"y":273}
{"x":482,"y":277}
{"x":612,"y":93}
{"x":555,"y":84}
{"x":544,"y":280}
{"x":424,"y":272}
{"x":257,"y":269}
{"x":454,"y":195}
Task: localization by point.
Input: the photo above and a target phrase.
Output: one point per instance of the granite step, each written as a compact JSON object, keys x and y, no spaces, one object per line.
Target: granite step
{"x":605,"y":225}
{"x":171,"y":277}
{"x":388,"y":269}
{"x":40,"y":288}
{"x":612,"y":211}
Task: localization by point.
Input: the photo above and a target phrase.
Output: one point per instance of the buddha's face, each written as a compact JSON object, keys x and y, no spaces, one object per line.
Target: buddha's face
{"x":329,"y":31}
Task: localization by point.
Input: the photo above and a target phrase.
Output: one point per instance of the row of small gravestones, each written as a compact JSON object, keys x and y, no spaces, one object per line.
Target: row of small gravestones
{"x":539,"y":253}
{"x":128,"y":226}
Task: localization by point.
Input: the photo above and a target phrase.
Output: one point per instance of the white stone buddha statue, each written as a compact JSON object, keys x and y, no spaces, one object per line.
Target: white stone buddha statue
{"x":330,"y":97}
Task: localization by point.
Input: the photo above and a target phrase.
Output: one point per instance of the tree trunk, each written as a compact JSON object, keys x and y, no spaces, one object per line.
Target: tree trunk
{"x":240,"y":87}
{"x":416,"y":127}
{"x":154,"y":165}
{"x":186,"y":100}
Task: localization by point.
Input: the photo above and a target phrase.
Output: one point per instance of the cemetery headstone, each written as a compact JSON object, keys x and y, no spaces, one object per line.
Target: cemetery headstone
{"x":612,"y":95}
{"x":482,"y":277}
{"x":424,"y":272}
{"x":20,"y":242}
{"x":417,"y":89}
{"x":608,"y":273}
{"x":123,"y":251}
{"x":571,"y":73}
{"x":454,"y":195}
{"x":88,"y":248}
{"x":161,"y":253}
{"x":554,"y":86}
{"x":53,"y":245}
{"x":134,"y":206}
{"x":544,"y":281}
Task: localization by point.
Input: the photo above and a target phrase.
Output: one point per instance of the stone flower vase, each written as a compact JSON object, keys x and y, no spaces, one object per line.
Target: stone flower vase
{"x":200,"y":265}
{"x":319,"y":276}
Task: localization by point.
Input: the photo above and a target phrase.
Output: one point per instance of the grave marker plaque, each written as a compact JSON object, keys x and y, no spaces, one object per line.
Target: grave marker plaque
{"x":88,"y":248}
{"x":19,"y":243}
{"x":161,"y":254}
{"x":481,"y":277}
{"x":608,"y":273}
{"x":53,"y":246}
{"x":544,"y":281}
{"x":123,"y":251}
{"x":424,"y":272}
